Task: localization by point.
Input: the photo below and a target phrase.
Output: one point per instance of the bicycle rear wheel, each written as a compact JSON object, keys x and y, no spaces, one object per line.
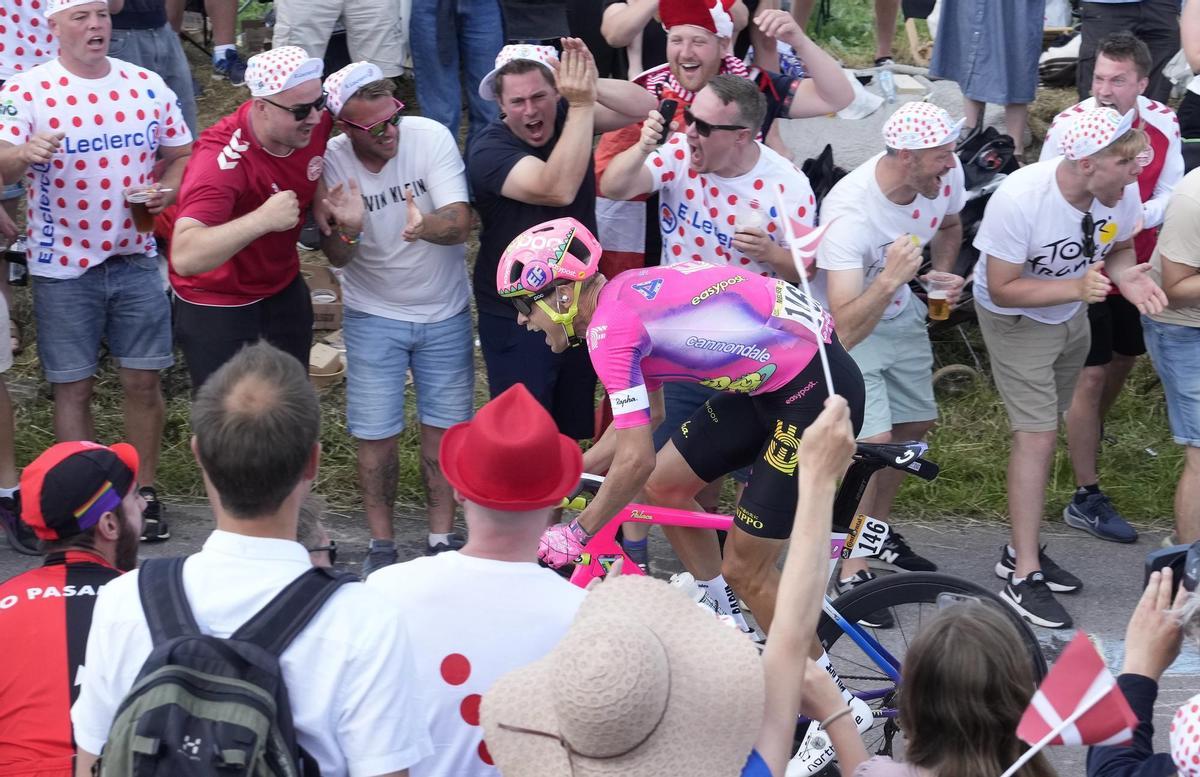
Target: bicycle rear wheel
{"x":910,"y":598}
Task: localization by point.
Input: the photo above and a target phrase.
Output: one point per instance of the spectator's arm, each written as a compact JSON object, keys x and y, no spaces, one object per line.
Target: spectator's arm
{"x":1181,"y":283}
{"x":1133,"y":279}
{"x":622,"y":22}
{"x":946,"y":244}
{"x":857,"y":309}
{"x":446,"y":226}
{"x":197,"y":248}
{"x":175,"y":159}
{"x":825,"y":451}
{"x":741,"y":16}
{"x":84,"y":762}
{"x":1154,"y":210}
{"x":1189,"y":33}
{"x":16,"y":159}
{"x":620,"y":103}
{"x":826,"y":90}
{"x":1009,"y":289}
{"x":115,"y":6}
{"x":626,"y":175}
{"x":632,"y":463}
{"x":766,"y":56}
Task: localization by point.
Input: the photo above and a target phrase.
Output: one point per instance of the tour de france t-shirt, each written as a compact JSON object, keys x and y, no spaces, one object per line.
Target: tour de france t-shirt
{"x":25,"y":39}
{"x":863,"y":222}
{"x":76,"y":213}
{"x":698,"y":212}
{"x":1029,"y":222}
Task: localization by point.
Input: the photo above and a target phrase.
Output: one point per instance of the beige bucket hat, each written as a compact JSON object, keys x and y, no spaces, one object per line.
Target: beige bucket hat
{"x":632,"y":689}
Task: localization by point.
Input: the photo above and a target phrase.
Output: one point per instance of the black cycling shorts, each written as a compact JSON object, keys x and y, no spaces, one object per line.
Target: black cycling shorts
{"x":1116,"y":328}
{"x":731,"y":431}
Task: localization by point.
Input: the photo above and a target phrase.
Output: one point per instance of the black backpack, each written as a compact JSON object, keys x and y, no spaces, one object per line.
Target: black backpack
{"x":202,"y":705}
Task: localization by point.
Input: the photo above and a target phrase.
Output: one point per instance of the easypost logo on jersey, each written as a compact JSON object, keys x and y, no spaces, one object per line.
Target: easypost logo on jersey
{"x":687,"y":216}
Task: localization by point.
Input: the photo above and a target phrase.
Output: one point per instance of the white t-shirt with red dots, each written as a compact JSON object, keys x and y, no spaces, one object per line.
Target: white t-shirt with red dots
{"x":25,"y":39}
{"x":472,"y":620}
{"x":76,"y":213}
{"x":868,"y":222}
{"x":698,"y":212}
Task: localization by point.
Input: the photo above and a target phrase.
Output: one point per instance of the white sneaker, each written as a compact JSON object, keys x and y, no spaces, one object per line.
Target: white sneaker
{"x":816,"y":750}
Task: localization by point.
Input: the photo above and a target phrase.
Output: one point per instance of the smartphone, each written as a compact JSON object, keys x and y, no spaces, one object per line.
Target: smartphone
{"x":1184,"y":561}
{"x":666,"y":109}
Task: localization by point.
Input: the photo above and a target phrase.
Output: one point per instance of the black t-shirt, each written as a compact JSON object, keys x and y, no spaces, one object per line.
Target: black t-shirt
{"x":141,"y":15}
{"x":534,"y":19}
{"x":492,"y":157}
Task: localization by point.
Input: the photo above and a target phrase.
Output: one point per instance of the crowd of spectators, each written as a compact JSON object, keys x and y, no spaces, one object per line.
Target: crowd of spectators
{"x":645,"y":123}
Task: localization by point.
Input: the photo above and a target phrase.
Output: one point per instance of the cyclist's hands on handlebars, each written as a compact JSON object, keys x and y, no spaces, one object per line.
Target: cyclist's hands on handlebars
{"x":562,"y":543}
{"x":1153,"y":636}
{"x":827,"y":445}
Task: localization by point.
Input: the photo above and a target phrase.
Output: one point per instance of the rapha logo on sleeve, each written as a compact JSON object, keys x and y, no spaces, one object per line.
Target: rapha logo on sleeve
{"x":630,"y":400}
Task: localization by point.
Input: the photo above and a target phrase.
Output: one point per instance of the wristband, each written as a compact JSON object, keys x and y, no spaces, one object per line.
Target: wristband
{"x":582,"y":534}
{"x":840,"y":713}
{"x":350,"y":241}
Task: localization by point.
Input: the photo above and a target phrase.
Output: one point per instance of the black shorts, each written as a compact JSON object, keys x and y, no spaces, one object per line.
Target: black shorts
{"x":732,"y":431}
{"x":1116,"y":328}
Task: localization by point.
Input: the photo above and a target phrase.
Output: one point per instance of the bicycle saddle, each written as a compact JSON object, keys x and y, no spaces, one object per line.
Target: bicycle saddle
{"x":899,"y":455}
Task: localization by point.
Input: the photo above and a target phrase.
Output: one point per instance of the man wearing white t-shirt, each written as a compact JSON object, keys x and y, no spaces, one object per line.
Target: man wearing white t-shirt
{"x":481,"y":612}
{"x":404,"y":282}
{"x":81,"y":130}
{"x":1120,"y":77}
{"x":1047,"y":233}
{"x":879,"y":217}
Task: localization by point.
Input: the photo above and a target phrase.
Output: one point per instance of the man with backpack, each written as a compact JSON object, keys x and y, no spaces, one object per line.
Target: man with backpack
{"x":81,"y":500}
{"x":330,"y":686}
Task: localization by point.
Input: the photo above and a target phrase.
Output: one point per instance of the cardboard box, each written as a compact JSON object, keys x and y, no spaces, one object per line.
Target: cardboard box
{"x":325,"y":365}
{"x":326,"y":295}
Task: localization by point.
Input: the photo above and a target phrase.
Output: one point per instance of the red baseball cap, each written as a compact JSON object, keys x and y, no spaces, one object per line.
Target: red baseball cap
{"x":66,"y":489}
{"x":510,"y":456}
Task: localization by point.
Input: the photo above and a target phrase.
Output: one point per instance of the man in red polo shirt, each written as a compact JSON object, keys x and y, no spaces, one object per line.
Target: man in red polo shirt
{"x":81,"y":499}
{"x":234,"y":265}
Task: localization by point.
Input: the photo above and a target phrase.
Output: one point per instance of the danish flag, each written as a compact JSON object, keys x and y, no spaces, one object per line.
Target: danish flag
{"x":228,"y":157}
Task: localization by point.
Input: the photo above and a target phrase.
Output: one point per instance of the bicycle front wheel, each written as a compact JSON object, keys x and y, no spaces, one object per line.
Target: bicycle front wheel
{"x":902,"y":602}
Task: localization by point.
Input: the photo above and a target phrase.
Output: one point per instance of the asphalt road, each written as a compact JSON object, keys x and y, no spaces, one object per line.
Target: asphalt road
{"x":1112,"y":576}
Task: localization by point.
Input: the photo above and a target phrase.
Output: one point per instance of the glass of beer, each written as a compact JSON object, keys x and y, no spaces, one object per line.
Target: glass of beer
{"x":939,"y":285}
{"x":137,"y":197}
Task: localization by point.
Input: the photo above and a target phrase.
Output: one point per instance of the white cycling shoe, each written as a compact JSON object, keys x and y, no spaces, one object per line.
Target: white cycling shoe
{"x":816,"y":750}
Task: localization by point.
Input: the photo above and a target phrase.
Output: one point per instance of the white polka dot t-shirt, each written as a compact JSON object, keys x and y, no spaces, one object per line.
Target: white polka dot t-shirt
{"x":25,"y":39}
{"x":698,"y":212}
{"x":868,"y":222}
{"x":77,"y":216}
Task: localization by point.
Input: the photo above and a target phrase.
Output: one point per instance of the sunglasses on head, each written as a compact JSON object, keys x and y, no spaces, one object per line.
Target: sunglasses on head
{"x":300,"y":112}
{"x":379,"y":128}
{"x":704,"y":128}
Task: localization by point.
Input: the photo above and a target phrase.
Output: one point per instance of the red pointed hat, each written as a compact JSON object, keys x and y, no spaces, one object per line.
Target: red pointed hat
{"x":510,"y":456}
{"x":712,"y":15}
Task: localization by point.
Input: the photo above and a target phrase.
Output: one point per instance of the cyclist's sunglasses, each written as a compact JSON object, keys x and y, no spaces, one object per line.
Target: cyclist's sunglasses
{"x":331,"y":548}
{"x":300,"y":112}
{"x":704,"y":128}
{"x":379,"y":128}
{"x":524,"y":305}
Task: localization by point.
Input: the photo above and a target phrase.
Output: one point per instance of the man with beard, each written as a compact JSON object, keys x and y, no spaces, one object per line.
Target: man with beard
{"x":234,"y":265}
{"x":1121,"y":73}
{"x":82,"y":500}
{"x":1047,"y":234}
{"x":532,"y":165}
{"x":398,"y":182}
{"x":880,"y":216}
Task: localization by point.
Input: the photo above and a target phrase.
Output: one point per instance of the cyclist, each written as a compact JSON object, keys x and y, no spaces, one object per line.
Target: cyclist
{"x":755,"y":338}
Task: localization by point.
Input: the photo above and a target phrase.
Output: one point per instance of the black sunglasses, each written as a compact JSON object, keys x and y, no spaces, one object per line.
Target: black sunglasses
{"x":704,"y":128}
{"x":378,"y":129}
{"x":331,"y":549}
{"x":524,"y":305}
{"x":1089,"y":236}
{"x":300,"y":112}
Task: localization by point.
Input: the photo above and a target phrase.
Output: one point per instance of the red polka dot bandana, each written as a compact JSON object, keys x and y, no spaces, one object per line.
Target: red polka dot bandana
{"x":918,"y":125}
{"x":1092,"y":131}
{"x":1185,"y":738}
{"x":544,"y":54}
{"x":342,"y":85}
{"x":57,"y":6}
{"x":713,"y":16}
{"x":271,"y":72}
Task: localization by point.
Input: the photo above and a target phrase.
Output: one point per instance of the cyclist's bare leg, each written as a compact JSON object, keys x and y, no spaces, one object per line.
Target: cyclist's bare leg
{"x":674,"y":484}
{"x":1028,"y":472}
{"x":750,"y":568}
{"x":881,"y":490}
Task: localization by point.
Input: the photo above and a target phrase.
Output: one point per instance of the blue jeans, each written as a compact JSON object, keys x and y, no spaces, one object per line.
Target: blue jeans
{"x":1175,"y":351}
{"x":121,"y":300}
{"x":159,"y":51}
{"x":469,"y":34}
{"x":380,"y":351}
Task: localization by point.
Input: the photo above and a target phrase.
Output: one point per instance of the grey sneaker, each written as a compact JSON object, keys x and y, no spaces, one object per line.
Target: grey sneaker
{"x":1097,"y":516}
{"x":379,"y":555}
{"x":456,"y":542}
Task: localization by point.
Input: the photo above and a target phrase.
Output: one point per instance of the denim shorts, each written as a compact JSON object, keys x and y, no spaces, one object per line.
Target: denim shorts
{"x":120,"y":301}
{"x":379,"y":353}
{"x":1175,"y":351}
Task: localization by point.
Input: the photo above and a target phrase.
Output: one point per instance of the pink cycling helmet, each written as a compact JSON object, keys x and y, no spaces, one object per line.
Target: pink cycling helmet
{"x":550,"y":254}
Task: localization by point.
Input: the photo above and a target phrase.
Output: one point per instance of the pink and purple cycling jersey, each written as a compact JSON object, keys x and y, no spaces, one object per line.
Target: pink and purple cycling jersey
{"x":699,"y":323}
